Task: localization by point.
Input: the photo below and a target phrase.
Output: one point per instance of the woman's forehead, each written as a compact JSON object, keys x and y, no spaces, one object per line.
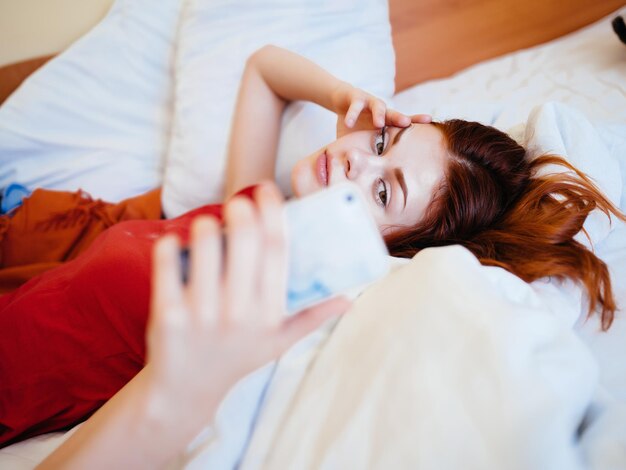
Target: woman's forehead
{"x":421,"y":155}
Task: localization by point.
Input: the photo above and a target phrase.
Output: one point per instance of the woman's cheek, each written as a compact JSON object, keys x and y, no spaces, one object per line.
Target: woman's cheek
{"x":302,"y":179}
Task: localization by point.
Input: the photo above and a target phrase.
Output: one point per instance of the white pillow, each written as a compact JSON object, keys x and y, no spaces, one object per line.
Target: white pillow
{"x":351,"y":39}
{"x":97,"y":117}
{"x":559,"y":129}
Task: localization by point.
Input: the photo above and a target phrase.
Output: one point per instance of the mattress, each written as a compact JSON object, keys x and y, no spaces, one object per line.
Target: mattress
{"x":585,"y":70}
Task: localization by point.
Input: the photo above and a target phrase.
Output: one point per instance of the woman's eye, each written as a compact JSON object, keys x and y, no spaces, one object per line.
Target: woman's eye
{"x":381,"y":193}
{"x":379,"y":142}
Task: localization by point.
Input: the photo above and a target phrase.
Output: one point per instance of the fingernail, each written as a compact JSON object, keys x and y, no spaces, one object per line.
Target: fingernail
{"x":166,"y":245}
{"x":168,"y":240}
{"x":238,"y":205}
{"x":349,"y":122}
{"x":204,"y":224}
{"x":269,"y":191}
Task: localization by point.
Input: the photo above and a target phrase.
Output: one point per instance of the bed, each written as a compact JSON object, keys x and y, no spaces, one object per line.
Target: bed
{"x":553,"y":368}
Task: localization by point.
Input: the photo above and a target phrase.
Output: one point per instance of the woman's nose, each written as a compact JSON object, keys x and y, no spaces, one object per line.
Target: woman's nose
{"x":356,"y":163}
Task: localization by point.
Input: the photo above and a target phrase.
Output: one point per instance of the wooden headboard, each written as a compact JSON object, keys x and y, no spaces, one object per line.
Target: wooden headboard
{"x":11,"y":76}
{"x":435,"y":38}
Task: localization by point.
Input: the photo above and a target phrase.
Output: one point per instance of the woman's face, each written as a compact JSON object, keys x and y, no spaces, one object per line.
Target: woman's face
{"x":397,"y":169}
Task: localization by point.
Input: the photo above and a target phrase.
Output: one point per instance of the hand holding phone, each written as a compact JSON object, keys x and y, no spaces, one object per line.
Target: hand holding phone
{"x":228,"y":319}
{"x":334,"y":246}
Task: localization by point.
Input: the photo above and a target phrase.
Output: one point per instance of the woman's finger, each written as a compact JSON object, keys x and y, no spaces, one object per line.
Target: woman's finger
{"x":167,"y":304}
{"x":397,"y":119}
{"x":167,"y":289}
{"x":421,"y":118}
{"x":242,"y":259}
{"x":273,"y":282}
{"x":310,"y":319}
{"x":378,"y":112}
{"x":206,"y":268}
{"x":354,"y":111}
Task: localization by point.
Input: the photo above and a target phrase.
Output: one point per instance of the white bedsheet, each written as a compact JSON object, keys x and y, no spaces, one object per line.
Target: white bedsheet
{"x":586,"y":70}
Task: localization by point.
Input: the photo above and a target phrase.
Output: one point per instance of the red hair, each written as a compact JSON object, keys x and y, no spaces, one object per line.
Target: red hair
{"x":494,"y":201}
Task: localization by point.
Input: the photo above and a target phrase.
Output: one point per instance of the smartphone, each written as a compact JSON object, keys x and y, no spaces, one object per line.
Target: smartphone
{"x":334,"y":246}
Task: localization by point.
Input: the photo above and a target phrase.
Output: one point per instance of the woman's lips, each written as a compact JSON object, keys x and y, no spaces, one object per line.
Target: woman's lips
{"x":321,"y":167}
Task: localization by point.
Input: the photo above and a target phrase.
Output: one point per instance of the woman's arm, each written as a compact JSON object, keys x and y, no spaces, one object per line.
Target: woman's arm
{"x":272,"y":78}
{"x":140,"y":427}
{"x":202,"y":337}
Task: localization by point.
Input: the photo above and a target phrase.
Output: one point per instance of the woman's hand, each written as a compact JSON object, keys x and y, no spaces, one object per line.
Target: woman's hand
{"x":230,"y":317}
{"x":202,"y":337}
{"x":359,"y":110}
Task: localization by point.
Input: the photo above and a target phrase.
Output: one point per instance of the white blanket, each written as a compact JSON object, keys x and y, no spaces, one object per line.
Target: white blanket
{"x":466,"y":368}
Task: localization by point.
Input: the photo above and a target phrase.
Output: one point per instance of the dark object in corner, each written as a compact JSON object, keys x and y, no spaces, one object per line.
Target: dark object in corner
{"x":620,"y":28}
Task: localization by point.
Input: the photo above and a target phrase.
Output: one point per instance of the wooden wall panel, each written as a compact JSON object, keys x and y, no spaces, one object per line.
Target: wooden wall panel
{"x":435,"y":38}
{"x":11,"y":76}
{"x":34,"y":28}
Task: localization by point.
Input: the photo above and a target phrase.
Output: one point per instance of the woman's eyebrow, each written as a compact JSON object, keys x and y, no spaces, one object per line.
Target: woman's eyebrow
{"x":398,"y":172}
{"x":400,"y":178}
{"x":399,"y":134}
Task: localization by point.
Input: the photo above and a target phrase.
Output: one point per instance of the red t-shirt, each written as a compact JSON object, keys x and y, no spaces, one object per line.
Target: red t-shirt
{"x":73,"y":336}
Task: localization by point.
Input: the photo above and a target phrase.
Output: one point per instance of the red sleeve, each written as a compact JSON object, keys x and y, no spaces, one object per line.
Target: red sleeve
{"x":247,"y":191}
{"x":73,"y":336}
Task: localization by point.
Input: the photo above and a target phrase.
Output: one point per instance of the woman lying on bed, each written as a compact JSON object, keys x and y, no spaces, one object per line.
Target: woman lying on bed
{"x":427,"y":184}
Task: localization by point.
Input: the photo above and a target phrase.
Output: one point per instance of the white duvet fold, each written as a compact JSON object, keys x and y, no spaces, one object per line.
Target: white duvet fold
{"x":444,"y":364}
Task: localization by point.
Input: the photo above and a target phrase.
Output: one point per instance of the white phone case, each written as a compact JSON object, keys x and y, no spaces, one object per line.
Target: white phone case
{"x":334,"y":246}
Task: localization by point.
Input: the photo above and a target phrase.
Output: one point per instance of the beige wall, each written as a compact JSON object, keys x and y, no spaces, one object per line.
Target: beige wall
{"x":32,"y":28}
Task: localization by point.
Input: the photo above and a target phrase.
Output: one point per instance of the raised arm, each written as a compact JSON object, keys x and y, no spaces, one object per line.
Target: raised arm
{"x":272,"y":78}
